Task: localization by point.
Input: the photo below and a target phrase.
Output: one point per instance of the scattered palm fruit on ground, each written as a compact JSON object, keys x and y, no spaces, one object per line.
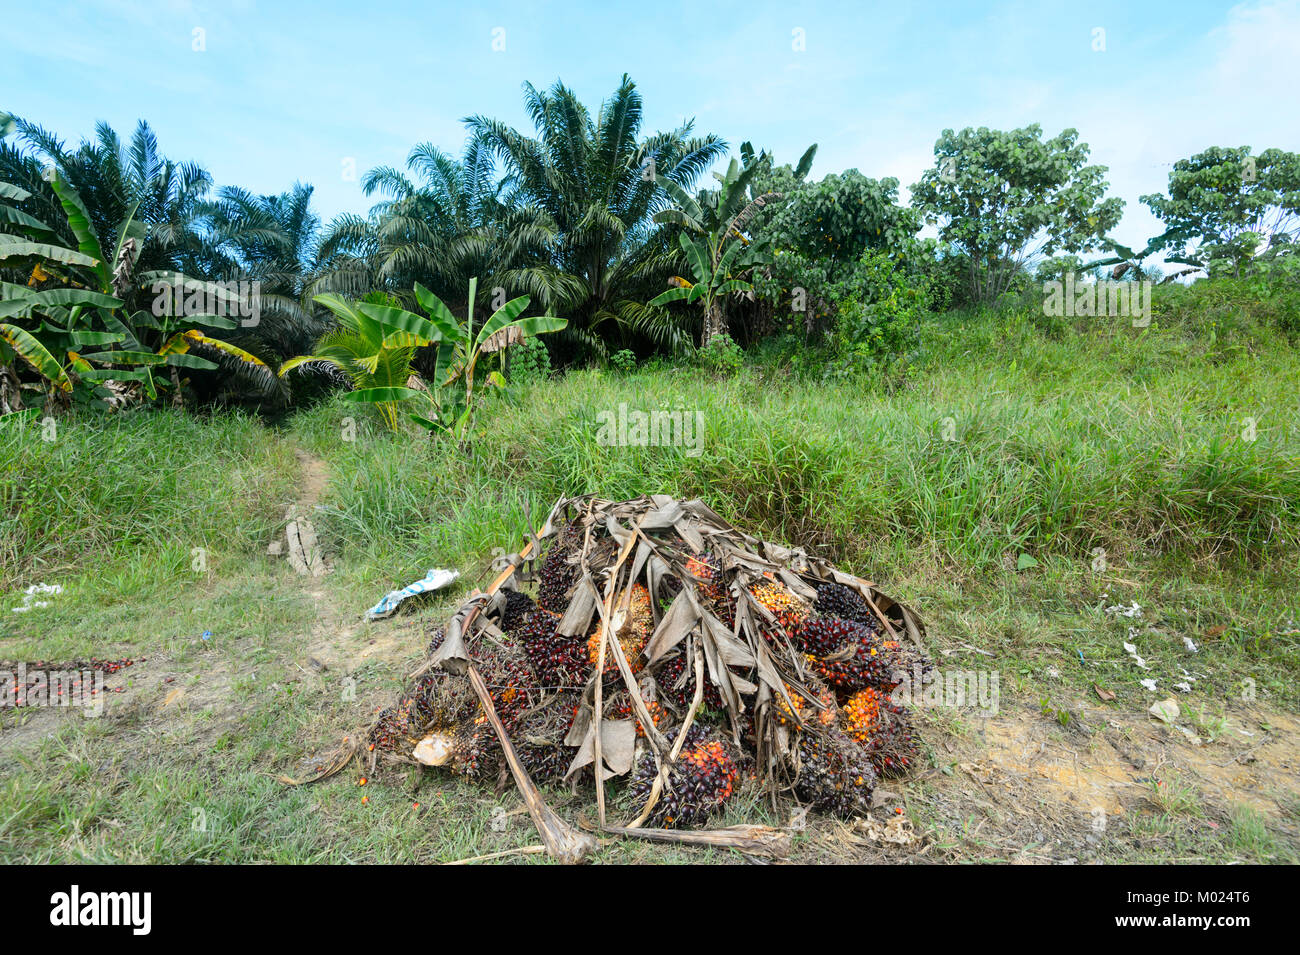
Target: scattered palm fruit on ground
{"x":803,"y":684}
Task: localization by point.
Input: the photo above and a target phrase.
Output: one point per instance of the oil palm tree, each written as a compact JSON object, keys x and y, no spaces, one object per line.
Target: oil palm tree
{"x":118,"y":181}
{"x":600,"y":183}
{"x":271,"y":240}
{"x":439,"y":226}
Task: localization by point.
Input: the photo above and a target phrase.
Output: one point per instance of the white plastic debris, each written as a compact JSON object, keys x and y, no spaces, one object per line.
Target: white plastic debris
{"x":1132,"y":651}
{"x":1183,"y":687}
{"x":1190,"y":644}
{"x":37,"y":590}
{"x":1149,"y":684}
{"x":435,"y":579}
{"x":1121,"y":610}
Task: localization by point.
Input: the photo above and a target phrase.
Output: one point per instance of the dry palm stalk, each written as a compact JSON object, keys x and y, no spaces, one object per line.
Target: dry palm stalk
{"x":563,"y":842}
{"x":756,"y":840}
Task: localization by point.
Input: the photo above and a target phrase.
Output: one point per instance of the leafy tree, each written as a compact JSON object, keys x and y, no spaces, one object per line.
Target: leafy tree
{"x":1226,"y":207}
{"x":839,"y":218}
{"x":1005,"y":197}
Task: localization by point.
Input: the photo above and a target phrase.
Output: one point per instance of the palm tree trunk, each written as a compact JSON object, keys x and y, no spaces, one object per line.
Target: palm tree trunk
{"x":715,"y":323}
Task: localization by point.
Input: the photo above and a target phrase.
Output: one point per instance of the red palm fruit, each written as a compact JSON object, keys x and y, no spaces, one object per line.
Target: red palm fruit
{"x":558,"y":661}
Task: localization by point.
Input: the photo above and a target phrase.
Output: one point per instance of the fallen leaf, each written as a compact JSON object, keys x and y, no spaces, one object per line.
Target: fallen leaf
{"x":173,"y":696}
{"x":1103,"y":694}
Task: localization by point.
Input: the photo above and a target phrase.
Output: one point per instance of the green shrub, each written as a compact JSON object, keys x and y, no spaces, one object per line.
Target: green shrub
{"x":721,"y":356}
{"x":878,"y":322}
{"x":623,"y":361}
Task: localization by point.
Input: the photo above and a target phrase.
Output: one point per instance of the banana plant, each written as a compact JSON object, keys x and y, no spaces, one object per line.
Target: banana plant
{"x":722,"y":250}
{"x":48,"y":328}
{"x":1124,"y":259}
{"x":375,"y":344}
{"x":714,"y":280}
{"x":140,"y":344}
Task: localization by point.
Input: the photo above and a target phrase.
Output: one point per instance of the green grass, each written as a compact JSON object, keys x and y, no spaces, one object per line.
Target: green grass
{"x":156,"y":509}
{"x":1070,"y":442}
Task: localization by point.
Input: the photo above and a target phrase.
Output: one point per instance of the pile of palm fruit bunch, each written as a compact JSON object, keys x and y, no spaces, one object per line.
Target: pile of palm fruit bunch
{"x":652,"y":639}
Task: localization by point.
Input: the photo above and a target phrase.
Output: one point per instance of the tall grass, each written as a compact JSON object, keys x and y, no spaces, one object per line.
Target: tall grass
{"x":1011,"y":440}
{"x":148,"y":487}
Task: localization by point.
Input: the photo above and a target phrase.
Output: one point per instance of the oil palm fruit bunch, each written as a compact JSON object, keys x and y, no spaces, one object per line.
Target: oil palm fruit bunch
{"x":539,"y":741}
{"x":703,"y":779}
{"x":620,"y":708}
{"x":557,"y":660}
{"x":781,"y":602}
{"x":827,"y":636}
{"x":896,"y":747}
{"x":556,"y":578}
{"x":712,"y":587}
{"x":863,"y":714}
{"x":849,"y":656}
{"x":634,"y":629}
{"x":470,"y":749}
{"x":518,"y":606}
{"x":507,"y":672}
{"x":908,"y":660}
{"x":677,"y":686}
{"x":836,"y":600}
{"x":804,"y":712}
{"x":834,"y":773}
{"x":883,"y":728}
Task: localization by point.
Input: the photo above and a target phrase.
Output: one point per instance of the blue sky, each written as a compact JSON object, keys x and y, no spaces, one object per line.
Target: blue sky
{"x":292,"y":91}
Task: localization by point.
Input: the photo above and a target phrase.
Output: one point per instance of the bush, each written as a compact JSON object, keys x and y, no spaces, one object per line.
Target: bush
{"x":721,"y":356}
{"x":879,"y":313}
{"x":622,"y":361}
